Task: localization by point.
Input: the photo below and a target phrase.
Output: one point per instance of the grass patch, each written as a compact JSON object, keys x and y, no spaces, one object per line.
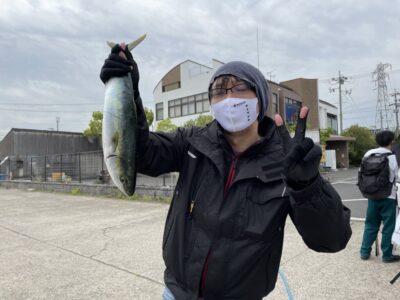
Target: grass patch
{"x":76,"y":192}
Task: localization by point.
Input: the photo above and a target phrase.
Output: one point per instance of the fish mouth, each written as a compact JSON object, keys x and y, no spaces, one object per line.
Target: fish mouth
{"x":121,"y":180}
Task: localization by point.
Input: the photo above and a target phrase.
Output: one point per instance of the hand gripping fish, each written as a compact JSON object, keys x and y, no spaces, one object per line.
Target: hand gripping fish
{"x":119,"y":131}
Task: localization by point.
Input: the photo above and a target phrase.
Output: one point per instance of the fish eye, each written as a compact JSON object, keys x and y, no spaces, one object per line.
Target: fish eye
{"x":122,"y":179}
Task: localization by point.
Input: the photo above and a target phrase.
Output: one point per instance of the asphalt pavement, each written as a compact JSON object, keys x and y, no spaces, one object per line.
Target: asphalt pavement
{"x":57,"y":246}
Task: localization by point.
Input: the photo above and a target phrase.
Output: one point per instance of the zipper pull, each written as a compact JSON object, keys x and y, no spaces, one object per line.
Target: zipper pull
{"x":191,"y":208}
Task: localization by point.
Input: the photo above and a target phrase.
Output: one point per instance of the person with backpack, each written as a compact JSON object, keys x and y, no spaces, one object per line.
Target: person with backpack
{"x":377,"y":177}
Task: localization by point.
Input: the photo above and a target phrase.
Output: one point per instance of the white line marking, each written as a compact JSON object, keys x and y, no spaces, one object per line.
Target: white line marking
{"x":357,"y":219}
{"x":344,"y":182}
{"x":354,"y":200}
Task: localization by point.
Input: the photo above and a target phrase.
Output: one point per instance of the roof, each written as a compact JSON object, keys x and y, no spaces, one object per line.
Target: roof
{"x":327,"y":103}
{"x":339,"y":138}
{"x":181,"y":63}
{"x":40,"y":131}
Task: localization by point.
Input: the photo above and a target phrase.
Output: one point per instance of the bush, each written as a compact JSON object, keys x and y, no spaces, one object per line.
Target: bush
{"x":364,"y":142}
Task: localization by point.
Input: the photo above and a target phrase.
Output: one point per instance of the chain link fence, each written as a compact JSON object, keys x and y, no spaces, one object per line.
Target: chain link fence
{"x":84,"y":167}
{"x":75,"y":167}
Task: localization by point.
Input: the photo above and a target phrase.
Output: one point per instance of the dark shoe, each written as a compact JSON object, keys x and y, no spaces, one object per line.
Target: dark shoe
{"x":394,"y":258}
{"x":364,"y":257}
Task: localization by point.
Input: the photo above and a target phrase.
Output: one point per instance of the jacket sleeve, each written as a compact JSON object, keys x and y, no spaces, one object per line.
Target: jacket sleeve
{"x":320,"y":217}
{"x":158,"y":153}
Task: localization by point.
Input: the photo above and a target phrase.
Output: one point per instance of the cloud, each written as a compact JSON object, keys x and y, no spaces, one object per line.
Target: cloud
{"x":52,"y":51}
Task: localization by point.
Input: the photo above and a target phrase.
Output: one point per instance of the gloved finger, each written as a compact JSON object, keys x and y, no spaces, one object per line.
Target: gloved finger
{"x":314,"y":155}
{"x":116,"y":65}
{"x":301,"y":126}
{"x":299,"y":152}
{"x":128,"y":54}
{"x":283,"y":133}
{"x":119,"y":59}
{"x":307,"y":144}
{"x":107,"y":73}
{"x":296,"y":154}
{"x":116,"y":49}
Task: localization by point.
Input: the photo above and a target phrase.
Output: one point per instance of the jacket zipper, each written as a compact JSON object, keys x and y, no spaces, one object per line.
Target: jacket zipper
{"x":228,"y":184}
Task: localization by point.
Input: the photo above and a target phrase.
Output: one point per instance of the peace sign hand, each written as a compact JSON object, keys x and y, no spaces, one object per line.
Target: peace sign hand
{"x":302,"y":156}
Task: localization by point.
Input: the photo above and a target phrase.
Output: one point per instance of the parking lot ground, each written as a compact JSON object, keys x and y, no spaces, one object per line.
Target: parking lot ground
{"x":58,"y":246}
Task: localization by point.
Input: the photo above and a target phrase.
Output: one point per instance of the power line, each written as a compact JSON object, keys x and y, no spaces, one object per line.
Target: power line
{"x":52,"y":104}
{"x":46,"y":111}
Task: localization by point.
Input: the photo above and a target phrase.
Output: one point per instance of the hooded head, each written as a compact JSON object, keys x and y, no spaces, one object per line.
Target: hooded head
{"x":251,"y":75}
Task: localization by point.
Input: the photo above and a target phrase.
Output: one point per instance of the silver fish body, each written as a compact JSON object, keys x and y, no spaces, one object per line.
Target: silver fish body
{"x":119,"y":133}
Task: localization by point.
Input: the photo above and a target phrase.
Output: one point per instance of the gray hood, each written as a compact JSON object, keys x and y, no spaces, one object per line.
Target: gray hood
{"x":251,"y":75}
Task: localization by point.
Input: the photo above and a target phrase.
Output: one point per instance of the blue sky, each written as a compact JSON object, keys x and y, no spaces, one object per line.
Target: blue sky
{"x":51,"y":51}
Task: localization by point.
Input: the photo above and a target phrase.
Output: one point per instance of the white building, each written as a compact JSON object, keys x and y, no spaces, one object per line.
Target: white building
{"x":182,"y":94}
{"x":328,"y":116}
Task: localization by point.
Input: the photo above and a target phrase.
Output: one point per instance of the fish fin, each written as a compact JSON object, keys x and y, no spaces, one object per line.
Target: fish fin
{"x":137,"y":42}
{"x":115,"y":140}
{"x":111,"y":44}
{"x":130,"y":45}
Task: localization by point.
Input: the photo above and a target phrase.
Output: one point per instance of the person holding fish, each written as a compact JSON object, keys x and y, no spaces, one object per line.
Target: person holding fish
{"x":241,"y":176}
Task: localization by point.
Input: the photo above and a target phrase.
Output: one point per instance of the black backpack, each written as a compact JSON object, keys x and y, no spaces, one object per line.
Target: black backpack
{"x":374,"y":176}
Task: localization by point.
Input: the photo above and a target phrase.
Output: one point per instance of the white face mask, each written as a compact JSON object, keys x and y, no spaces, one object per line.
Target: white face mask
{"x":235,"y":114}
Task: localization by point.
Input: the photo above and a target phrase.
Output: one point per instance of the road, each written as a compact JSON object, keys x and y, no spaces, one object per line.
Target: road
{"x":344,"y":182}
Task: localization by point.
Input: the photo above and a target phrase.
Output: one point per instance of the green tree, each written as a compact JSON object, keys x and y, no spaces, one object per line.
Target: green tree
{"x":166,"y":125}
{"x":200,"y":121}
{"x":95,"y":125}
{"x":324,"y":134}
{"x":364,"y":142}
{"x":149,"y":116}
{"x":189,"y":123}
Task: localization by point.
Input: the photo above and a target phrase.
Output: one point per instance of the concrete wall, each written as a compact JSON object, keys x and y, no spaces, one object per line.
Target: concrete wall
{"x":91,"y":189}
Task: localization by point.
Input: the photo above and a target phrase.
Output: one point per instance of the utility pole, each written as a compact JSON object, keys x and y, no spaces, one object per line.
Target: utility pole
{"x":396,"y":110}
{"x":58,"y":122}
{"x":258,"y":53}
{"x":340,"y":80}
{"x":382,"y":114}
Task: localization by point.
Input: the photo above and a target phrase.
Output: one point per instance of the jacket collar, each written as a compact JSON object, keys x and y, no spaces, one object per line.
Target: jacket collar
{"x":211,"y":142}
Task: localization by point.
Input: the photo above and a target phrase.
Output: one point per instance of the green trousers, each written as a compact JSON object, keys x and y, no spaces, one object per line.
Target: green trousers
{"x":379,"y":211}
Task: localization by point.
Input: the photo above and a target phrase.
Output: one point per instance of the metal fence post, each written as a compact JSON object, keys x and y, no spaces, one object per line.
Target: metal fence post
{"x":60,"y":167}
{"x":45,"y":166}
{"x":79,"y":162}
{"x":31,"y":169}
{"x":9,"y":168}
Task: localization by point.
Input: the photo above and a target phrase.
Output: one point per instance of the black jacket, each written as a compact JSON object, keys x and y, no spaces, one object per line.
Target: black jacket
{"x":239,"y":232}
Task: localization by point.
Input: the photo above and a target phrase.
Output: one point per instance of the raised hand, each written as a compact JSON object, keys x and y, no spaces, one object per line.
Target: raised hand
{"x":302,"y":156}
{"x":119,"y":63}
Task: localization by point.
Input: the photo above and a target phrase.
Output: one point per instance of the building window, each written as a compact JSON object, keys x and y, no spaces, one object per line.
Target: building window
{"x":274,"y":104}
{"x":159,"y":111}
{"x":175,"y":108}
{"x":292,"y":109}
{"x":191,"y":105}
{"x":171,"y":87}
{"x":202,"y":103}
{"x":332,"y":122}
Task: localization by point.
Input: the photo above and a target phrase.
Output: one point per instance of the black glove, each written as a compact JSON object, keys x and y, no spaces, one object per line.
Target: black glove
{"x":116,"y":66}
{"x":302,"y":156}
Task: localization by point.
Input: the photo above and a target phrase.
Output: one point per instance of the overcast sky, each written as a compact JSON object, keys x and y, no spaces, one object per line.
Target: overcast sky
{"x":51,"y":51}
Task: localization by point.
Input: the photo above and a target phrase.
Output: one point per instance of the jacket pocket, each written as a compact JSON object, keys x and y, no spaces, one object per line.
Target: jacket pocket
{"x":265,"y":208}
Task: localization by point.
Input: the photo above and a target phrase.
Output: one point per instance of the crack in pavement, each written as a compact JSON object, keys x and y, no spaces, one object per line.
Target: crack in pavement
{"x":84,"y":256}
{"x":111,"y":240}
